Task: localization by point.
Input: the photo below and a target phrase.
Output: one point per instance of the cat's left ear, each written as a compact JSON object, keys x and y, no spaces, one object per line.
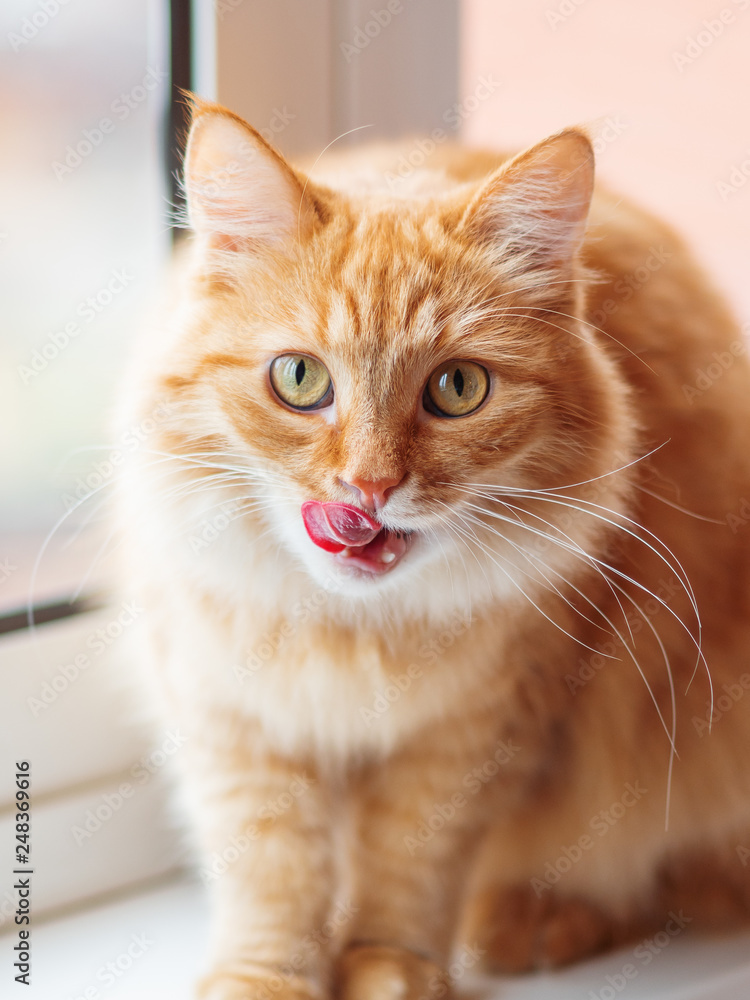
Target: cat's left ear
{"x":242,"y":195}
{"x":536,"y":204}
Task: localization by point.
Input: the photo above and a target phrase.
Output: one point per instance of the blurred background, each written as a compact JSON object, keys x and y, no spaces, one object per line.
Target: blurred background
{"x":91,"y":132}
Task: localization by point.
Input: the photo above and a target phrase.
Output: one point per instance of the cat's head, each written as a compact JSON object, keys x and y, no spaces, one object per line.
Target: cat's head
{"x":404,"y":354}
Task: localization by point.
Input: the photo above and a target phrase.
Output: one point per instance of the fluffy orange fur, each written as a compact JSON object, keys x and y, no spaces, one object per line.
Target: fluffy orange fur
{"x":503,"y":739}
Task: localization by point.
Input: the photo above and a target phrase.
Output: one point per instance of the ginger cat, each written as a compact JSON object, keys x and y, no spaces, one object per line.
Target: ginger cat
{"x":477,"y":574}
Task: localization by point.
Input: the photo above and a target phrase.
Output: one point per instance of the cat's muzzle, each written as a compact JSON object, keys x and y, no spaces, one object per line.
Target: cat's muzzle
{"x":353,"y":537}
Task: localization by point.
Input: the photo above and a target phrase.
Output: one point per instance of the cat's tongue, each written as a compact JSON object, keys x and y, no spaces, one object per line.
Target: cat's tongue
{"x":337,"y":526}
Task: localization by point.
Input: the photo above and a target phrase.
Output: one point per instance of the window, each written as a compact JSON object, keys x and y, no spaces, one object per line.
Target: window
{"x":85,"y":237}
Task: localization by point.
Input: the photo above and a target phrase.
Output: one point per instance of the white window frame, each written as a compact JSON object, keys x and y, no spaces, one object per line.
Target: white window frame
{"x":258,"y":58}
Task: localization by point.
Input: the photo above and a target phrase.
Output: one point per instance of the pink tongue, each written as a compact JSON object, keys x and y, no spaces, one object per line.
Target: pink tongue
{"x":336,"y":526}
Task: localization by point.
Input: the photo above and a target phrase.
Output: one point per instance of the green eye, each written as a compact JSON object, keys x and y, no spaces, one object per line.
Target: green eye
{"x":456,"y":388}
{"x":301,"y":381}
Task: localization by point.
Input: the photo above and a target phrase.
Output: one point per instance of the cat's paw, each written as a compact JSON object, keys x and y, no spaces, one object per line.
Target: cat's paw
{"x":255,"y":984}
{"x":378,"y":972}
{"x":520,"y":932}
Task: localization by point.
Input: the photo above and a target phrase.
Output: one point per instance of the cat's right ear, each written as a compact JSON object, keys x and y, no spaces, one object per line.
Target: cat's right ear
{"x":241,"y":194}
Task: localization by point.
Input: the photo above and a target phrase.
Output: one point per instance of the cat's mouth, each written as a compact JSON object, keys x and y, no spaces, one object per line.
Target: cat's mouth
{"x":353,"y":537}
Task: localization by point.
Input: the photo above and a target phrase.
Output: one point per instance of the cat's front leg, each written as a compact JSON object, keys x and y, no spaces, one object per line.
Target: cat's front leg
{"x":265,"y":825}
{"x":420,"y":817}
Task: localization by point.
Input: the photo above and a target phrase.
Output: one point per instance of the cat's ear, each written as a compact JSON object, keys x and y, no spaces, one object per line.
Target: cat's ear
{"x":241,"y":194}
{"x":536,"y":204}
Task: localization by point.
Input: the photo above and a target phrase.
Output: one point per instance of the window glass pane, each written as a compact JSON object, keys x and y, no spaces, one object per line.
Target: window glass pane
{"x":83,"y":238}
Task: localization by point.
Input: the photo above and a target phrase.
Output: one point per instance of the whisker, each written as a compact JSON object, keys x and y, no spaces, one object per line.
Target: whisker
{"x":626,"y":646}
{"x":675,"y":568}
{"x":673,"y":749}
{"x":567,"y":486}
{"x":488,"y":553}
{"x":470,"y":519}
{"x":501,"y":311}
{"x":447,"y":523}
{"x":676,"y":506}
{"x":572,"y":547}
{"x":436,"y":537}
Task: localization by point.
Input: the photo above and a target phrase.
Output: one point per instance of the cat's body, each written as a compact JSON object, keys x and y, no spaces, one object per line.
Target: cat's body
{"x":427,"y":747}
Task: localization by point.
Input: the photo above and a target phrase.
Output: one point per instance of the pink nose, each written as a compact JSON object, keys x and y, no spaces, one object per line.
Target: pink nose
{"x":372,"y":494}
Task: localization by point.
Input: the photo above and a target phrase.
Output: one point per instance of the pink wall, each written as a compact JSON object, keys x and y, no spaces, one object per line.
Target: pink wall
{"x":678,"y":129}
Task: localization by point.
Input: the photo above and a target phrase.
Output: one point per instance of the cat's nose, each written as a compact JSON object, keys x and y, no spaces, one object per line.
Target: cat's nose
{"x":372,"y":493}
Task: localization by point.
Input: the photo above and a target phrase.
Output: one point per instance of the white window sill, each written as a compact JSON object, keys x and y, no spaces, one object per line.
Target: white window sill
{"x":170,"y":918}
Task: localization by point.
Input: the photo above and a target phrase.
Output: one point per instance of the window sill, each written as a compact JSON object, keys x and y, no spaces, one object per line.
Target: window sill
{"x":165,"y":926}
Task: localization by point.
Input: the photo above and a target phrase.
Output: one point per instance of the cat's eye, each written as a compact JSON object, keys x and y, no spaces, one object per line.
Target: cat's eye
{"x":301,"y":381}
{"x":456,"y":388}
